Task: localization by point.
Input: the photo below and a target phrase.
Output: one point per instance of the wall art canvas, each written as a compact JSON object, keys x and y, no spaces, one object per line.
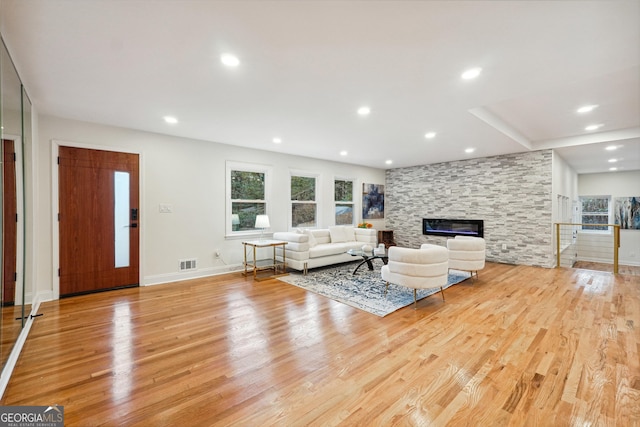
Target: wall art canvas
{"x":372,"y":201}
{"x":626,"y":211}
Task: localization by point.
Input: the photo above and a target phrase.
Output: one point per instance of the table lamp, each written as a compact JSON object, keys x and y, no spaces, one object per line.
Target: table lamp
{"x":262,"y":222}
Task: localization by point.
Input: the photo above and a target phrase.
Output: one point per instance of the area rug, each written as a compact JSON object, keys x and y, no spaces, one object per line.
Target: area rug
{"x":364,"y":290}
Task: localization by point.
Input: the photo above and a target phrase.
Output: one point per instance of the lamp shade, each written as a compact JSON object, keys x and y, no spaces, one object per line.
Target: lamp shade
{"x":262,"y":221}
{"x":235,"y":219}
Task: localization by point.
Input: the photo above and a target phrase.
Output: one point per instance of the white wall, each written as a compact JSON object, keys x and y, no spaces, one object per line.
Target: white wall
{"x":565,"y":183}
{"x":564,"y":197}
{"x":190,"y":176}
{"x":615,"y":184}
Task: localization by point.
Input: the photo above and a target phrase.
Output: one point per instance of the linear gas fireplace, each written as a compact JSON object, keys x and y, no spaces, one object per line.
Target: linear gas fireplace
{"x":453,"y":227}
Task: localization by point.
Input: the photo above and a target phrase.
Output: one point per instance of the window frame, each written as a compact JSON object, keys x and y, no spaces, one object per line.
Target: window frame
{"x":608,"y":198}
{"x":245,"y":167}
{"x":316,"y":202}
{"x":341,"y":202}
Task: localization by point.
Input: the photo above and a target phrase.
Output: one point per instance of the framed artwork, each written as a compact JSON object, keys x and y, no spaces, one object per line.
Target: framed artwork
{"x":626,"y":211}
{"x":372,"y":201}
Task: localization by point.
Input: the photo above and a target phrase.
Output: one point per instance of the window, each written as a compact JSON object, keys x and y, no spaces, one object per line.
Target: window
{"x":343,"y":197}
{"x":595,"y":210}
{"x":303,"y":201}
{"x":248,"y":195}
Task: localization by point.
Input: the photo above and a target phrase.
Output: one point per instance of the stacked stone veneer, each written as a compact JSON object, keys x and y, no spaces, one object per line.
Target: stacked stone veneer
{"x":511,"y":193}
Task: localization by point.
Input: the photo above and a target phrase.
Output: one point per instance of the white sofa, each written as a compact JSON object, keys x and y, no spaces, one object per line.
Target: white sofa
{"x":313,"y":248}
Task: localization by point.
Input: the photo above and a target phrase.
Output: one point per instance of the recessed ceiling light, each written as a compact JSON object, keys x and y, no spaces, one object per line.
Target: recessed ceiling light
{"x":593,"y":127}
{"x":613,"y":169}
{"x":277,"y":140}
{"x":586,"y":108}
{"x":171,"y":120}
{"x":389,"y":162}
{"x":430,"y":135}
{"x":613,"y":160}
{"x":344,"y":152}
{"x":469,"y":150}
{"x":229,"y":60}
{"x":364,"y":111}
{"x":471,"y":73}
{"x":611,"y":147}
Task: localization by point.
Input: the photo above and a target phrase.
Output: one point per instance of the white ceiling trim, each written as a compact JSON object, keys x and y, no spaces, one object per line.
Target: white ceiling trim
{"x":500,"y":125}
{"x":594,"y":138}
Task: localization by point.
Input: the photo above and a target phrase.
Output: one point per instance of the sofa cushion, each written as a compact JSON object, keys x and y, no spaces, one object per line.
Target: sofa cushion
{"x":338,"y":234}
{"x":312,"y":239}
{"x":324,"y":249}
{"x":352,"y":245}
{"x":350,"y":234}
{"x":366,"y":235}
{"x":322,"y":235}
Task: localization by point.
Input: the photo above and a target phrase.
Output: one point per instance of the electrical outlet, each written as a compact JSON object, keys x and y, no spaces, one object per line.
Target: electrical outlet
{"x":504,"y":246}
{"x":217,"y":253}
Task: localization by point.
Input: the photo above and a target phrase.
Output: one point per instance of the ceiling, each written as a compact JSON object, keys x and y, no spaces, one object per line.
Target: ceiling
{"x":307,"y":66}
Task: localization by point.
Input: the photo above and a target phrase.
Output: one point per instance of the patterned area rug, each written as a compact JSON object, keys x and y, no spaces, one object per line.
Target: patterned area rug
{"x":364,"y":290}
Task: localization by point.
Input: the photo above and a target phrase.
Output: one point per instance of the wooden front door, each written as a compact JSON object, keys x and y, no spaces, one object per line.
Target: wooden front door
{"x":9,"y":218}
{"x":99,"y":234}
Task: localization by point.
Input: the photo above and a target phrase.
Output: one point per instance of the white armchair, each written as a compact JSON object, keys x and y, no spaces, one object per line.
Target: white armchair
{"x":467,"y":254}
{"x":423,"y":268}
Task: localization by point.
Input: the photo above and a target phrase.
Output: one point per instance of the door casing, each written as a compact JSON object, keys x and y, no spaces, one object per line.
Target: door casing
{"x":55,"y":231}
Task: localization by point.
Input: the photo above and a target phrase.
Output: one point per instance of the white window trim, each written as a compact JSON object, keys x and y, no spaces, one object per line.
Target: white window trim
{"x":353,"y":198}
{"x":245,"y":167}
{"x":306,"y":174}
{"x":609,"y":214}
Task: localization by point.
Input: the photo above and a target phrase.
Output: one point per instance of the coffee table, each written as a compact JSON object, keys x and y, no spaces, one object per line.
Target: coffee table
{"x":366,"y":258}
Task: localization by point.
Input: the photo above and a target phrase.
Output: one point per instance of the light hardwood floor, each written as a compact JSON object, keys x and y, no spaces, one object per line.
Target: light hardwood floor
{"x":520,"y":346}
{"x":622,"y":269}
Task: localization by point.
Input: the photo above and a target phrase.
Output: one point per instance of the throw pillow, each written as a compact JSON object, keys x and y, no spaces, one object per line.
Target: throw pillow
{"x":350,"y":234}
{"x":312,"y":239}
{"x":337,"y":234}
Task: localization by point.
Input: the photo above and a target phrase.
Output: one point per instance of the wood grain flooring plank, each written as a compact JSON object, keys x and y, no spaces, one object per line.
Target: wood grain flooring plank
{"x":520,"y":346}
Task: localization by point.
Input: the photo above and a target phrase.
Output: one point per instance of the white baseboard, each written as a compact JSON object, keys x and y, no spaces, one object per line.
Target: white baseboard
{"x":160,"y":279}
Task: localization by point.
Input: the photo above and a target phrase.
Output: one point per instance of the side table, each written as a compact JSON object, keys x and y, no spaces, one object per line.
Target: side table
{"x":386,"y":237}
{"x":253,"y":265}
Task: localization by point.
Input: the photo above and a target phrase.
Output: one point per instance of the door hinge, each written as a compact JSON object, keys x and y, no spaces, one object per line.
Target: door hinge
{"x":58,"y":216}
{"x":14,"y":157}
{"x":58,"y":272}
{"x":15,"y":276}
{"x":17,"y":218}
{"x":58,"y":159}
